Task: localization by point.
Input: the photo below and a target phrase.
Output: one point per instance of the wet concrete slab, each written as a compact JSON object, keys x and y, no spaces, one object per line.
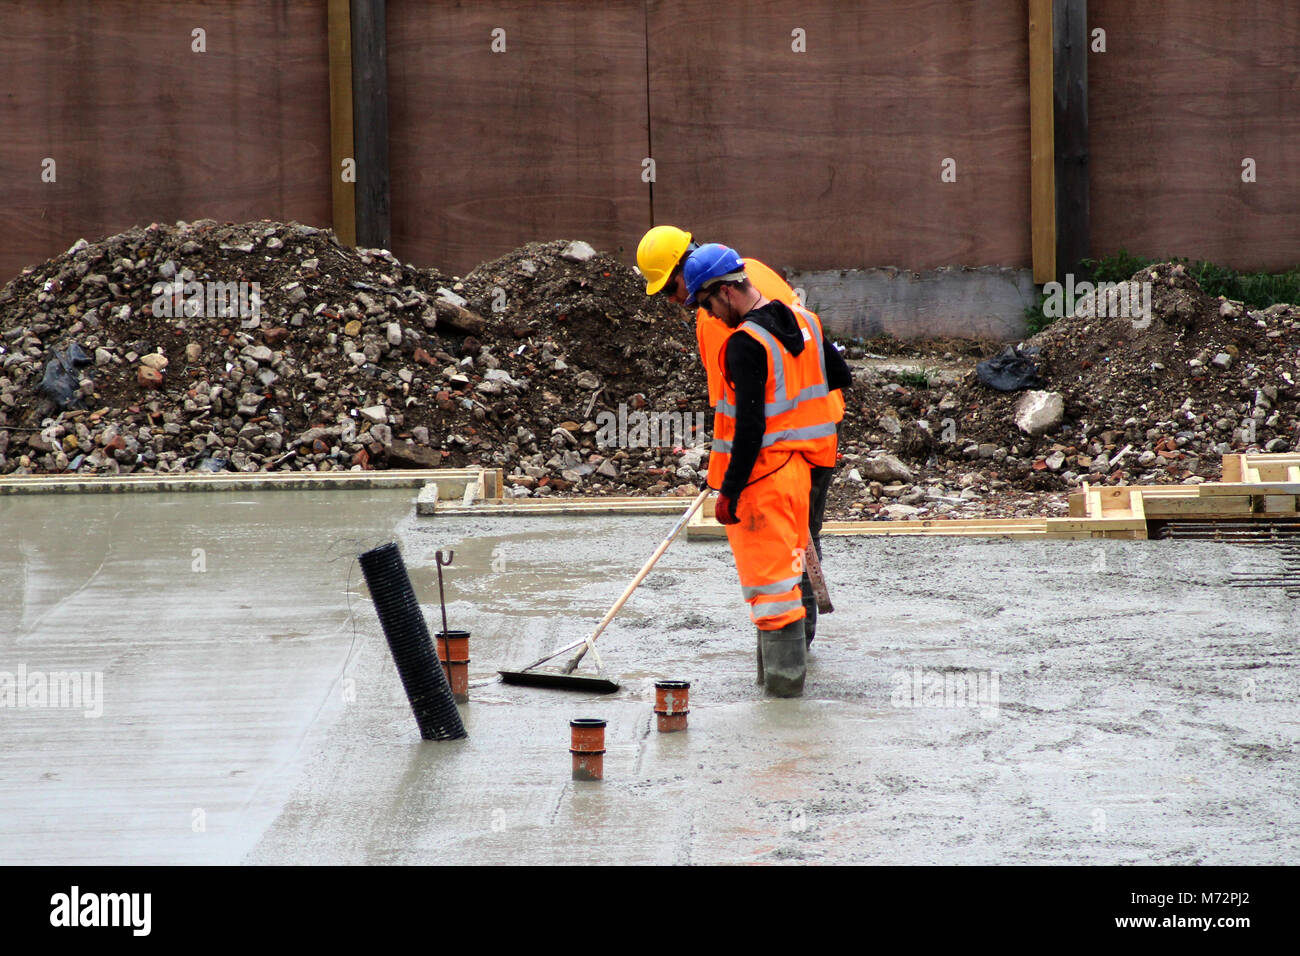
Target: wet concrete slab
{"x":218,"y":624}
{"x":968,"y":701}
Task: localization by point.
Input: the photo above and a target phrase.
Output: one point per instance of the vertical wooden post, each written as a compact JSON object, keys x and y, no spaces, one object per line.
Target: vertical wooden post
{"x":1042,"y":169}
{"x":370,"y":122}
{"x":1070,"y":95}
{"x":343,"y":194}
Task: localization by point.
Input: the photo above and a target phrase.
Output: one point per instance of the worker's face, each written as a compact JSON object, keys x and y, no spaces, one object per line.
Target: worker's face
{"x":721,"y":302}
{"x":675,"y":287}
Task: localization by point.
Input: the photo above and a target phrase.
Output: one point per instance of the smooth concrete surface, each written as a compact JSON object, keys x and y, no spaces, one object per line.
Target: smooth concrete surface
{"x":955,"y":301}
{"x":220,"y":624}
{"x":1144,"y":711}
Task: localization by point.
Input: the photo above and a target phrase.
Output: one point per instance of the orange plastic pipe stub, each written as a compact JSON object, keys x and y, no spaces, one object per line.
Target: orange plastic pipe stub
{"x":587,"y":735}
{"x":589,"y":766}
{"x":587,"y":745}
{"x":457,"y":674}
{"x":672,"y":704}
{"x":452,"y":645}
{"x":670,"y":723}
{"x":672,"y":696}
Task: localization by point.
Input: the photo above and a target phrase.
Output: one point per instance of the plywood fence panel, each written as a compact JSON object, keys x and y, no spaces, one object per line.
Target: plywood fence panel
{"x":141,"y":128}
{"x":544,"y":140}
{"x":1184,"y":92}
{"x":833,"y":157}
{"x":828,"y":158}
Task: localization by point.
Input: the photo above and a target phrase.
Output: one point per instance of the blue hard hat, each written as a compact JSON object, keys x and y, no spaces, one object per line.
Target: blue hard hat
{"x":707,"y":263}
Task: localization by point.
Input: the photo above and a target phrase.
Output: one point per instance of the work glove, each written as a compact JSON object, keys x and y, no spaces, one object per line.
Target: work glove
{"x":725,"y":510}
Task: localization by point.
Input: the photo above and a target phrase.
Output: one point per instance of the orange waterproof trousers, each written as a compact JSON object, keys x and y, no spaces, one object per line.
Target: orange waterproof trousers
{"x":769,"y":542}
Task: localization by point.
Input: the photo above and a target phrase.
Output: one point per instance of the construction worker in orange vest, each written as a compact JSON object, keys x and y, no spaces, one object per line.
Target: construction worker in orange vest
{"x":773,"y":422}
{"x":661,"y":256}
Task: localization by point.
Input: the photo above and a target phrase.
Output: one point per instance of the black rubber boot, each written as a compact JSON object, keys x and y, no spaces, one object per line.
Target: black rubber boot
{"x":760,"y":657}
{"x":785,"y":660}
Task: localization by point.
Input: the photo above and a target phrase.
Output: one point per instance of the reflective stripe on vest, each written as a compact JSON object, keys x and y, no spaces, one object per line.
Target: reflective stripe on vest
{"x":836,"y":396}
{"x":779,"y":587}
{"x":783,"y":404}
{"x":789,"y":434}
{"x":758,"y":612}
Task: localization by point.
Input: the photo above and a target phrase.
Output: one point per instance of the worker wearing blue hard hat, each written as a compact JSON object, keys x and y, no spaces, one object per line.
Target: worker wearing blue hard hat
{"x":774,"y":421}
{"x":661,"y":256}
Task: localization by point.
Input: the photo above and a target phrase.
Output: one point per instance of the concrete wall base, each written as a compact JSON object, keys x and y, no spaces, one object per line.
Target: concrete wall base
{"x":962,"y":302}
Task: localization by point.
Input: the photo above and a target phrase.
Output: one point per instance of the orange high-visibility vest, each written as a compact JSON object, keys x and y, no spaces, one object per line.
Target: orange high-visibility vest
{"x":799,"y":414}
{"x":711,"y":333}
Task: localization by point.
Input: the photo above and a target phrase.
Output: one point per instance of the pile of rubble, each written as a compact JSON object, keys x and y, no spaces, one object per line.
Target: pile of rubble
{"x":1148,"y":398}
{"x":268,"y":346}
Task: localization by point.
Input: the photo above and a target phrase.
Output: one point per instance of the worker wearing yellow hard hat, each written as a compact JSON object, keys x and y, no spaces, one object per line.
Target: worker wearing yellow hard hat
{"x":661,"y":256}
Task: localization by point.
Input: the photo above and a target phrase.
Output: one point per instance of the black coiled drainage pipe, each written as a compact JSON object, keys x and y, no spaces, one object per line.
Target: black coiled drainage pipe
{"x":412,"y":648}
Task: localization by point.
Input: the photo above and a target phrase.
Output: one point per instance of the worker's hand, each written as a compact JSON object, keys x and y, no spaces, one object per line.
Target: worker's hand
{"x":725,"y":510}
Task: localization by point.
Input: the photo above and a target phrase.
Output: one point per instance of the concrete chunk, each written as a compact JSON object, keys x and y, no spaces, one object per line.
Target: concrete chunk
{"x":1037,"y":413}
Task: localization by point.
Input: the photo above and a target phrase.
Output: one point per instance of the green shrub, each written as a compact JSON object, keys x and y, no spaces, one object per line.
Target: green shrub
{"x":1035,"y":320}
{"x":1117,"y":268}
{"x":1258,"y":290}
{"x":919,"y":378}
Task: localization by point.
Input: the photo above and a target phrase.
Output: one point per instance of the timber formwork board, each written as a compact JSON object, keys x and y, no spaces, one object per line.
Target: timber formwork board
{"x":702,"y":526}
{"x":1115,"y":525}
{"x":708,"y":527}
{"x":430,"y":503}
{"x":1121,"y":512}
{"x":1255,"y":486}
{"x":1261,"y":467}
{"x":481,"y":496}
{"x":235,"y":481}
{"x":1269,"y":491}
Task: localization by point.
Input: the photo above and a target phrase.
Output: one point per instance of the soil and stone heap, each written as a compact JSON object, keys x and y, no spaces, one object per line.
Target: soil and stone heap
{"x":1126,"y":398}
{"x":268,"y":346}
{"x":117,"y":357}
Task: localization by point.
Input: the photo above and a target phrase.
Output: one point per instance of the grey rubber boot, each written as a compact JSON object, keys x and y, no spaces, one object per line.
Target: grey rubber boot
{"x":760,"y":657}
{"x":785,"y":660}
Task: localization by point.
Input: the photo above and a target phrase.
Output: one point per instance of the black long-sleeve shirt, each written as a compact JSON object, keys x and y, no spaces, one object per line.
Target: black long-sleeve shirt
{"x":745,"y":362}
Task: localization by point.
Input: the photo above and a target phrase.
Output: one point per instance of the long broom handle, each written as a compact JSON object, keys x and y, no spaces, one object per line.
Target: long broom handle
{"x":632,"y":587}
{"x":627,"y":593}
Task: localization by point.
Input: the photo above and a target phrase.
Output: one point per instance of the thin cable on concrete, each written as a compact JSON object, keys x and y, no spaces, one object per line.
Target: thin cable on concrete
{"x":356,"y":546}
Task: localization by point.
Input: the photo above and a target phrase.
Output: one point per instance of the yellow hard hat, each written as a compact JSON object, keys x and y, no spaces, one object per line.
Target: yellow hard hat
{"x":660,"y":251}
